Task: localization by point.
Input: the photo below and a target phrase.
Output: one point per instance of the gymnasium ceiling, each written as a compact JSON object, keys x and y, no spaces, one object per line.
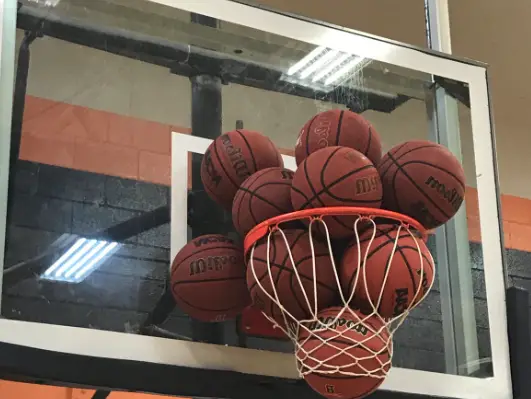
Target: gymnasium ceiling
{"x":495,"y":32}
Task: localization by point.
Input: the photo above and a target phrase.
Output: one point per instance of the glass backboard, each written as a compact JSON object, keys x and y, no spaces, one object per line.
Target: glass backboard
{"x":123,"y":99}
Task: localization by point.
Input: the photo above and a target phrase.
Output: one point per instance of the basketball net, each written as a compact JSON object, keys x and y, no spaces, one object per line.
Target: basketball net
{"x":315,"y":328}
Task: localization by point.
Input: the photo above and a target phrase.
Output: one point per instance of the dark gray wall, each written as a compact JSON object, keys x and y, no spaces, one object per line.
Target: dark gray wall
{"x":51,"y":201}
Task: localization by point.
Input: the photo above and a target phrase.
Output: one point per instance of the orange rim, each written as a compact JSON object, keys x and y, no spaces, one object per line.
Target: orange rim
{"x":263,"y":228}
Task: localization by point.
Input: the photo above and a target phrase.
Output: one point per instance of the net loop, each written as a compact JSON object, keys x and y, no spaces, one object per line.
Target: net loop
{"x":354,"y":356}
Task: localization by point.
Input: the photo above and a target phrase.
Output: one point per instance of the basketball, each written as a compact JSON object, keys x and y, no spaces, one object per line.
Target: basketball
{"x":423,"y":180}
{"x":262,"y":196}
{"x":336,"y":176}
{"x":338,"y":128}
{"x":345,"y":355}
{"x":208,"y":279}
{"x":281,"y":281}
{"x":232,"y":158}
{"x":408,"y":278}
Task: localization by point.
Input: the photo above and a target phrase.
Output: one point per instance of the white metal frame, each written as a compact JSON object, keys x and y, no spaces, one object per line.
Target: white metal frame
{"x":158,"y":350}
{"x":455,"y":283}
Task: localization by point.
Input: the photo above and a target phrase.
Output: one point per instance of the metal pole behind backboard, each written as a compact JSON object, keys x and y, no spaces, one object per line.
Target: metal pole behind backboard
{"x":453,"y":252}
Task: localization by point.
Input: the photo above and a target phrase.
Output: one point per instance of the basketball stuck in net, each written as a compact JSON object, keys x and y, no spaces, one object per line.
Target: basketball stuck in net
{"x":343,"y":346}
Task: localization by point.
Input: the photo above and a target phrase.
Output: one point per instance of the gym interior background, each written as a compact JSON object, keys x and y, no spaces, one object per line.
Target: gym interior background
{"x":86,"y":108}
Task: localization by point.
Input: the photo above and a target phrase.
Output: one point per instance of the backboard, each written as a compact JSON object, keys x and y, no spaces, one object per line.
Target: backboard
{"x":119,"y":104}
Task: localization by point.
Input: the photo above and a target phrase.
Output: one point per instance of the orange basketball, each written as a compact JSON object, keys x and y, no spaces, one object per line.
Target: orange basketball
{"x":338,"y":127}
{"x":345,"y":355}
{"x":405,"y":280}
{"x":208,"y":279}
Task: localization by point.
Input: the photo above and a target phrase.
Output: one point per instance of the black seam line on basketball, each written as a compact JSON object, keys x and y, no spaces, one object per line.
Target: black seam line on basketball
{"x":339,"y":123}
{"x":312,"y":188}
{"x":272,"y":260}
{"x":426,"y":196}
{"x":336,"y":377}
{"x":363,"y":241}
{"x":340,"y":377}
{"x":321,"y":179}
{"x":394,"y":192}
{"x":302,"y":275}
{"x":436,"y":167}
{"x":298,"y":300}
{"x":351,"y":344}
{"x":259,"y":174}
{"x":223,"y":167}
{"x":423,"y":256}
{"x":212,"y":194}
{"x":233,"y":247}
{"x":308,"y":135}
{"x":251,"y":212}
{"x":393,"y":151}
{"x":212,"y":280}
{"x":258,"y":196}
{"x":285,"y":269}
{"x":386,"y":269}
{"x":411,"y":273}
{"x":391,"y":240}
{"x":292,"y":245}
{"x":249,"y":148}
{"x":293,"y":188}
{"x":379,"y":233}
{"x":201,"y":308}
{"x":391,"y":154}
{"x":369,"y":140}
{"x":335,"y":182}
{"x":251,"y":181}
{"x":413,"y":150}
{"x":236,"y":220}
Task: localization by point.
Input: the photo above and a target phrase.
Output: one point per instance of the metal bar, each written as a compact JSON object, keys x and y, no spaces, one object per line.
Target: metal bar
{"x":19,"y":100}
{"x":206,"y":122}
{"x":8,"y":9}
{"x":519,"y":342}
{"x":186,"y":60}
{"x":453,"y":253}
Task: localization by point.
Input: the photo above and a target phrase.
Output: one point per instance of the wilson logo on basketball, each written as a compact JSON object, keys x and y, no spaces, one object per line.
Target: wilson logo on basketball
{"x":287,"y":174}
{"x":322,"y":131}
{"x":423,"y":215}
{"x":366,"y":185}
{"x":449,"y":194}
{"x":208,"y":240}
{"x":211,"y":171}
{"x":210,"y":263}
{"x":331,"y":323}
{"x":425,"y":285}
{"x":401,"y":301}
{"x":236,"y":158}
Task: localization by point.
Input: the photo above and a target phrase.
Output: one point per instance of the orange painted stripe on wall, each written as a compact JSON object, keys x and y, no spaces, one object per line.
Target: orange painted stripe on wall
{"x":86,"y":139}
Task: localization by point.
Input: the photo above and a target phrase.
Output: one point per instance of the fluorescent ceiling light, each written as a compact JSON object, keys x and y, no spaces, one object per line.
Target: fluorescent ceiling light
{"x":319,"y":63}
{"x":45,"y":3}
{"x":323,"y":68}
{"x":330,"y":67}
{"x":344,"y":70}
{"x":79,"y":261}
{"x":306,"y":60}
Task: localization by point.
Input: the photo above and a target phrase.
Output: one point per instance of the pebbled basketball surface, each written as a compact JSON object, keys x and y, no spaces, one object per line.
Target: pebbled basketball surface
{"x":424,"y":180}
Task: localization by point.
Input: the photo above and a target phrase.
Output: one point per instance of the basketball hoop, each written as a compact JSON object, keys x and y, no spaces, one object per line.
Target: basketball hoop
{"x":356,"y":343}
